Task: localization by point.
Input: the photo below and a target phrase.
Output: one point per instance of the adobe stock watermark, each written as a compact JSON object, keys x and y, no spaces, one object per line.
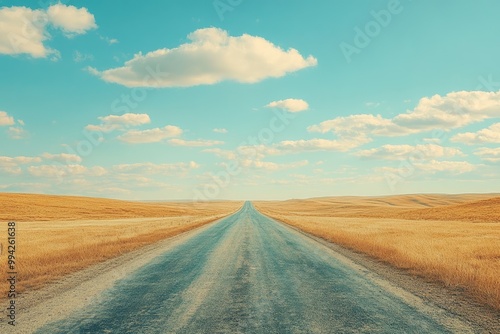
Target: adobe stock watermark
{"x":223,"y":6}
{"x":246,"y":150}
{"x":363,"y":36}
{"x":488,"y":84}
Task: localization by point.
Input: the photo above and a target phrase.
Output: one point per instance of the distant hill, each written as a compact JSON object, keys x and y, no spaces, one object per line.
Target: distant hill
{"x":33,"y":207}
{"x":465,"y":207}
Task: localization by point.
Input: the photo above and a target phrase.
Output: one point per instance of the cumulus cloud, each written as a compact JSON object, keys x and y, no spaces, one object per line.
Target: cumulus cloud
{"x":5,"y":119}
{"x":272,"y":166}
{"x":150,"y":136}
{"x":489,"y":154}
{"x":488,"y":135}
{"x":66,"y":171}
{"x":18,"y":160}
{"x":259,"y":152}
{"x":317,"y":145}
{"x":118,"y":122}
{"x":210,"y":57}
{"x":12,"y":165}
{"x":360,"y":125}
{"x":397,"y":152}
{"x":455,"y":167}
{"x":71,"y":20}
{"x":224,"y":154}
{"x":152,"y":168}
{"x":24,"y":30}
{"x":454,"y":110}
{"x":62,"y":171}
{"x":290,"y":105}
{"x":16,"y":132}
{"x":194,"y":143}
{"x":65,"y":158}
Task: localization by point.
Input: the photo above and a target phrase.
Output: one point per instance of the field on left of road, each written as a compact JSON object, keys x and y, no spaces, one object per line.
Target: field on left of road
{"x":59,"y":235}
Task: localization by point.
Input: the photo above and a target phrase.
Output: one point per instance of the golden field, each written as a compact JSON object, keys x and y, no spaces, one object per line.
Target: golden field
{"x":29,"y":207}
{"x":58,"y":235}
{"x":453,"y":239}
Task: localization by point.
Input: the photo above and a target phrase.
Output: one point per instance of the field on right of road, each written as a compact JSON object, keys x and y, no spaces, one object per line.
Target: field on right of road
{"x":454,"y":239}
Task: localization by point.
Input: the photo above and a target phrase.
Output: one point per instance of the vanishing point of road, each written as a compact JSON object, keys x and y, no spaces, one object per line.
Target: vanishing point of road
{"x":248,"y":274}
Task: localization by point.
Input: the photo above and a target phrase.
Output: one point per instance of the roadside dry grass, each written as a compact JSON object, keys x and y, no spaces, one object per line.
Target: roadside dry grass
{"x":31,"y":207}
{"x":58,"y":235}
{"x":462,"y":250}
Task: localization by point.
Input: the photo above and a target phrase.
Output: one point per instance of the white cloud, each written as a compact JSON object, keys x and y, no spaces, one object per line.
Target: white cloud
{"x":290,"y":105}
{"x":272,"y":166}
{"x":220,"y":130}
{"x":65,"y":171}
{"x":14,"y":170}
{"x":372,"y":104}
{"x":455,"y":167}
{"x":79,"y":57}
{"x":360,"y":125}
{"x":432,"y":140}
{"x":211,"y":56}
{"x":318,"y":145}
{"x":489,"y":154}
{"x":17,"y":132}
{"x":150,"y":136}
{"x":118,"y":122}
{"x":56,"y":170}
{"x":97,"y":171}
{"x":151,"y":168}
{"x":5,"y":119}
{"x":24,"y":30}
{"x":259,"y":152}
{"x":397,"y":152}
{"x":14,"y":132}
{"x":14,"y":161}
{"x":454,"y":110}
{"x":194,"y":143}
{"x":62,"y":158}
{"x":256,"y":151}
{"x":488,"y":135}
{"x":224,"y":154}
{"x":108,"y":40}
{"x":71,"y":20}
{"x":11,"y":165}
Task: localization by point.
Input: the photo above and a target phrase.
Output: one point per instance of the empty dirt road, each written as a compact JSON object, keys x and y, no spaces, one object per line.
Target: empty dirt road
{"x":250,"y":274}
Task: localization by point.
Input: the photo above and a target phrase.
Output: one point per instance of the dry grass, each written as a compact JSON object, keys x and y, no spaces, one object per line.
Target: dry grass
{"x":30,"y":207}
{"x":462,"y":250}
{"x":473,"y":207}
{"x":71,"y":233}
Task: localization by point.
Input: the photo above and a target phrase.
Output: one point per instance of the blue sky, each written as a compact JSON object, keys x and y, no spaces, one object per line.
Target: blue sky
{"x":249,"y":99}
